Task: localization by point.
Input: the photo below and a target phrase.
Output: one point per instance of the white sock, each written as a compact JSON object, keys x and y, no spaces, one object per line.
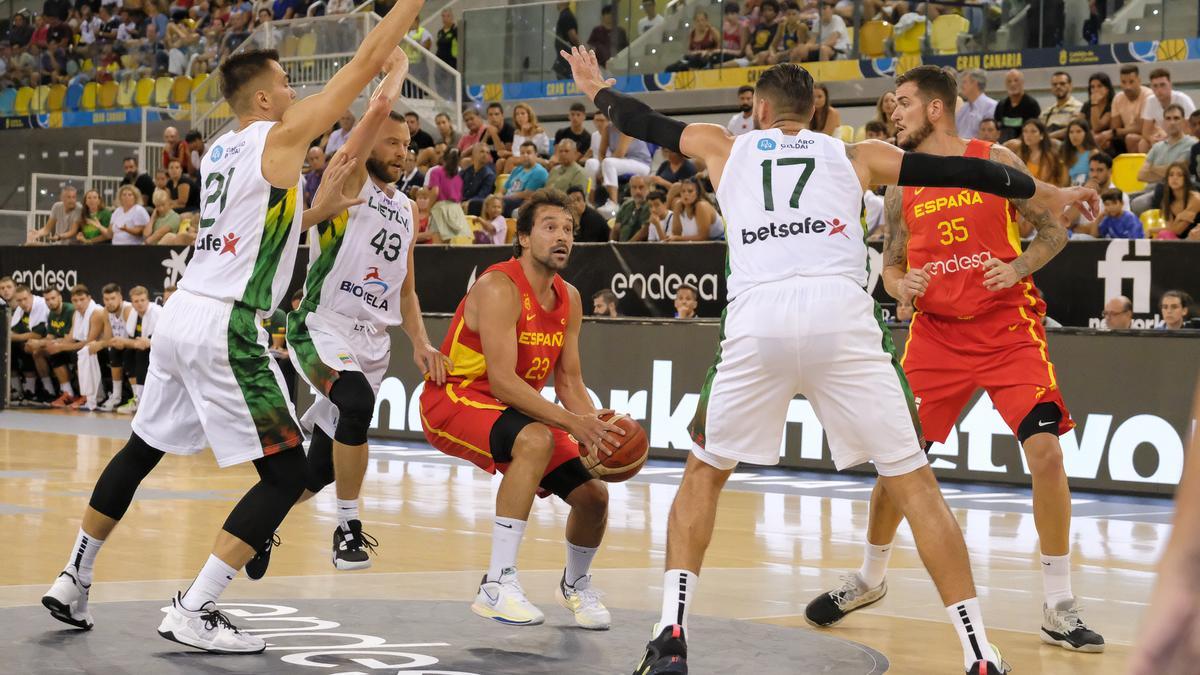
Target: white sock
{"x":1056,"y":578}
{"x":347,"y":511}
{"x":30,"y":385}
{"x":137,"y":391}
{"x":48,"y":384}
{"x":968,"y":623}
{"x":875,"y":563}
{"x":579,"y":561}
{"x":83,"y":557}
{"x":506,"y":540}
{"x":68,"y":389}
{"x":214,"y":577}
{"x":679,"y":587}
{"x":118,"y":388}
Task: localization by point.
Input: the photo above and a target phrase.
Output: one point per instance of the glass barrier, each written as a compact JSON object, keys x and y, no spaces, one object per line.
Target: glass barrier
{"x":513,"y":44}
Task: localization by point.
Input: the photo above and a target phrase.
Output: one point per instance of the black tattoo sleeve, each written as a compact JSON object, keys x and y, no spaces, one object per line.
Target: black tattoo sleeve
{"x":1051,"y":234}
{"x":895,"y":232}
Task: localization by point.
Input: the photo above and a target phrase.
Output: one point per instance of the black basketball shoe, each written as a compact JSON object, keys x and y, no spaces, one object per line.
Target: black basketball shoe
{"x":352,"y":547}
{"x":989,"y":668}
{"x":1062,"y":626}
{"x":829,"y":608}
{"x":257,"y":567}
{"x":665,"y":654}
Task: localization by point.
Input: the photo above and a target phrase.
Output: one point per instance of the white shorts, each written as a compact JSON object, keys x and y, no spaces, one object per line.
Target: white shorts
{"x":212,"y":378}
{"x":324,"y":344}
{"x":818,"y":337}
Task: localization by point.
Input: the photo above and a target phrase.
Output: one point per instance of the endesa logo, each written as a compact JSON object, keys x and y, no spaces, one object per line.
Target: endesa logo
{"x":225,"y":244}
{"x":959,"y":263}
{"x":785,"y":230}
{"x":371,"y":290}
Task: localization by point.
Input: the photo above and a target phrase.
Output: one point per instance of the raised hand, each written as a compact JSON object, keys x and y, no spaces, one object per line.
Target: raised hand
{"x":586,"y":70}
{"x":331,"y":199}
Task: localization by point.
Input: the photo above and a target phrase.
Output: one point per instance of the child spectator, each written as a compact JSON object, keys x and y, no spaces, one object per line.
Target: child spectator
{"x":1117,"y":222}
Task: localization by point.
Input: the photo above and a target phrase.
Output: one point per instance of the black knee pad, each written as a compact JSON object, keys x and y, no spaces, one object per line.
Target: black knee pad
{"x":355,"y":401}
{"x":1043,"y":419}
{"x":120,"y":479}
{"x":116,"y":357}
{"x":259,"y":513}
{"x":320,"y":461}
{"x":567,"y":476}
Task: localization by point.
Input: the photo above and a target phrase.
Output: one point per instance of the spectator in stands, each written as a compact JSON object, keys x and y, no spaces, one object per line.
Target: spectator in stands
{"x":447,"y":51}
{"x":566,"y":172}
{"x":693,"y":217}
{"x":283,"y":10}
{"x":314,"y":170}
{"x":1175,"y":306}
{"x":477,"y":132}
{"x":1016,"y":108}
{"x":1098,"y":110}
{"x":422,"y":206}
{"x":1175,"y":148}
{"x":448,"y":136}
{"x":20,"y":32}
{"x":526,"y":129}
{"x":500,"y":136}
{"x":763,"y":36}
{"x":195,"y":143}
{"x":1037,"y":151}
{"x":659,"y":227}
{"x":1164,"y":97}
{"x":58,"y":326}
{"x":1066,"y":107}
{"x":832,"y":34}
{"x":623,"y":155}
{"x":1180,"y":205}
{"x":94,"y":220}
{"x":676,"y":168}
{"x":884,"y":108}
{"x":603,"y":204}
{"x":988,"y":130}
{"x":977,"y":105}
{"x":419,"y":139}
{"x":412,"y":177}
{"x":792,"y":41}
{"x":185,"y":193}
{"x":167,"y":227}
{"x":634,"y":213}
{"x":143,"y":182}
{"x":478,"y":180}
{"x":1129,"y":107}
{"x":525,"y":179}
{"x":576,"y":132}
{"x":175,"y":149}
{"x":63,"y":224}
{"x":875,"y":130}
{"x":495,"y":225}
{"x":27,"y":325}
{"x":591,"y":226}
{"x":338,"y":137}
{"x":652,"y":19}
{"x":1194,"y":123}
{"x":1077,"y":150}
{"x":8,"y":288}
{"x":604,"y":303}
{"x":1100,"y":175}
{"x":703,"y":43}
{"x":418,"y":66}
{"x":129,"y":219}
{"x":825,"y":117}
{"x":743,"y":121}
{"x":566,"y":36}
{"x":1118,"y":313}
{"x":600,"y":130}
{"x":608,"y":39}
{"x":445,"y":180}
{"x":135,"y":346}
{"x":1114,"y":221}
{"x":686,"y":299}
{"x":734,"y":37}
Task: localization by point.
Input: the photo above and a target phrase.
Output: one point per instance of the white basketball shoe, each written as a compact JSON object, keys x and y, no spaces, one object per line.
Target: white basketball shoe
{"x":505,"y":601}
{"x":67,"y":601}
{"x":206,"y":629}
{"x":584,"y":603}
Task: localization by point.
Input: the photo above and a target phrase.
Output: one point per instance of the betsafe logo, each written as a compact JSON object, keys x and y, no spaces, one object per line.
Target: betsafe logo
{"x":766,"y":144}
{"x":784,"y":230}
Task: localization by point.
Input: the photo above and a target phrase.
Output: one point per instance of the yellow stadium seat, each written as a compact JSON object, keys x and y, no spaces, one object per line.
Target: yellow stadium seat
{"x":162,"y":91}
{"x":872,"y":39}
{"x":845,"y":133}
{"x":500,"y":181}
{"x":512,"y":229}
{"x":1152,"y":222}
{"x":91,"y":94}
{"x":199,"y":80}
{"x":109,"y":96}
{"x":289,"y":47}
{"x":1125,"y":170}
{"x":860,"y":134}
{"x":24,"y":101}
{"x":128,"y":62}
{"x":125,"y":92}
{"x":144,"y":92}
{"x":41,"y":97}
{"x":181,"y":90}
{"x":54,"y":100}
{"x":909,"y":42}
{"x":87,"y":66}
{"x":943,"y":34}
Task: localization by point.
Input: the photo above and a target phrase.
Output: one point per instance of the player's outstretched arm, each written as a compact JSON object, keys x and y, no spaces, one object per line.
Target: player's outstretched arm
{"x":330,"y":199}
{"x":364,"y":134}
{"x":710,"y":142}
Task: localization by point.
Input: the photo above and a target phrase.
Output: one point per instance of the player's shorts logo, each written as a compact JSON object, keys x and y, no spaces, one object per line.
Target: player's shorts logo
{"x":372,"y":278}
{"x":766,"y":144}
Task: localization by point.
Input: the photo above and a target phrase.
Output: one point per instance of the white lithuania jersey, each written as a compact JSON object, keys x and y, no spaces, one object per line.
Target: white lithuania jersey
{"x":249,"y":230}
{"x":792,"y":208}
{"x":360,"y":258}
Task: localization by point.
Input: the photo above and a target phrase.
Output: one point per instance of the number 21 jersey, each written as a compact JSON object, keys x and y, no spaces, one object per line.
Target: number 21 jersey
{"x":249,"y":230}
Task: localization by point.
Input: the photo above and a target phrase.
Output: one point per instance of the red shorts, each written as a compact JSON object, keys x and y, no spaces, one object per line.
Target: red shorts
{"x":460,"y":423}
{"x":1004,"y":352}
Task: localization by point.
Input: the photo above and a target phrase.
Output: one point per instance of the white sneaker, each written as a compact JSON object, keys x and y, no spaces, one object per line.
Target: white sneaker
{"x":67,"y":601}
{"x":505,"y":601}
{"x":207,"y":629}
{"x":111,"y":404}
{"x":584,"y":602}
{"x":129,"y":408}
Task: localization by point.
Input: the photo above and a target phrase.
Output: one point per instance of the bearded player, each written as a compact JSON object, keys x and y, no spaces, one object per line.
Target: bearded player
{"x":978,"y":323}
{"x":518,"y":325}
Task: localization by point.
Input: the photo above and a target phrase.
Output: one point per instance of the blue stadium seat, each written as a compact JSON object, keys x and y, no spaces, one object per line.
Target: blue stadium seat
{"x":7,"y":98}
{"x":74,"y":95}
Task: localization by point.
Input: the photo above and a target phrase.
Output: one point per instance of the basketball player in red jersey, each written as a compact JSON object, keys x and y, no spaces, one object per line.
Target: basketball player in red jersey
{"x":518,"y":325}
{"x":956,"y":255}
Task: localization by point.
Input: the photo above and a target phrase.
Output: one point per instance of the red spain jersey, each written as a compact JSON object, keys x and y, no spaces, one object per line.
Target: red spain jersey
{"x":539,"y":336}
{"x":956,"y":231}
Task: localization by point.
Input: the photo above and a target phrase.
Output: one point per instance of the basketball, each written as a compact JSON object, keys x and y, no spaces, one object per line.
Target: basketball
{"x":629,"y":456}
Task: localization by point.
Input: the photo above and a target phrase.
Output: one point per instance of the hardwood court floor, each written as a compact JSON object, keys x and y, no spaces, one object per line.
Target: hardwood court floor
{"x":772,"y":550}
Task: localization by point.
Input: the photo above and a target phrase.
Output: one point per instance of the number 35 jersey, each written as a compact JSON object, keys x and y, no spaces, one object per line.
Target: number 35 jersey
{"x":792,"y":205}
{"x":956,"y":231}
{"x":249,"y":230}
{"x":359,"y":259}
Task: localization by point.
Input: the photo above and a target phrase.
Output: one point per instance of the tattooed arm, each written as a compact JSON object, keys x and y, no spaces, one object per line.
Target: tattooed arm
{"x":1050,"y":239}
{"x":899,"y":281}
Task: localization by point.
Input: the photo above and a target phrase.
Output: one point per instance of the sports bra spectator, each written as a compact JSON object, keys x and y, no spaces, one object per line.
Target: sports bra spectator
{"x":1077,"y":151}
{"x":694,"y":217}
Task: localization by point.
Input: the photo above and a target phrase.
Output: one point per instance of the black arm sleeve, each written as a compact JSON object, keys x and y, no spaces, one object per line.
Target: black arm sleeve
{"x":918,"y":169}
{"x":639,"y":120}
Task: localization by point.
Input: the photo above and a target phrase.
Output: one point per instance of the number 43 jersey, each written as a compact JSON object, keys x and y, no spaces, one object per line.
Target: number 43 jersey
{"x":792,"y":206}
{"x":249,"y":230}
{"x":358,"y":260}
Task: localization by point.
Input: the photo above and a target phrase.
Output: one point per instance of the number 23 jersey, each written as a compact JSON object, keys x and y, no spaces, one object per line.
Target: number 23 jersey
{"x":359,"y":259}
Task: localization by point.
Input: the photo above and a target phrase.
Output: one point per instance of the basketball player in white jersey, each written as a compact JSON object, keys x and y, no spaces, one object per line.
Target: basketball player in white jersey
{"x":360,"y":281}
{"x":211,"y":379}
{"x":800,"y":321}
{"x":118,"y":310}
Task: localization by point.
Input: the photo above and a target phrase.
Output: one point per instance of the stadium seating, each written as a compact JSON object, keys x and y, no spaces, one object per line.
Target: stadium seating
{"x":7,"y":98}
{"x":181,"y":90}
{"x":91,"y":96}
{"x":109,"y":95}
{"x":162,"y":91}
{"x":909,"y":42}
{"x":74,"y":96}
{"x":845,"y":133}
{"x":144,"y":92}
{"x":21,"y":103}
{"x":943,"y":34}
{"x":874,"y":38}
{"x":125,"y":92}
{"x":1152,"y":222}
{"x":1125,"y":170}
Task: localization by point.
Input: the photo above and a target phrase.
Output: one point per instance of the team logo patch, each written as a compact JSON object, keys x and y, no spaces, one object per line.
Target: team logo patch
{"x":345,"y":358}
{"x":372,"y":278}
{"x":766,"y":144}
{"x":217,"y":152}
{"x":229,"y":244}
